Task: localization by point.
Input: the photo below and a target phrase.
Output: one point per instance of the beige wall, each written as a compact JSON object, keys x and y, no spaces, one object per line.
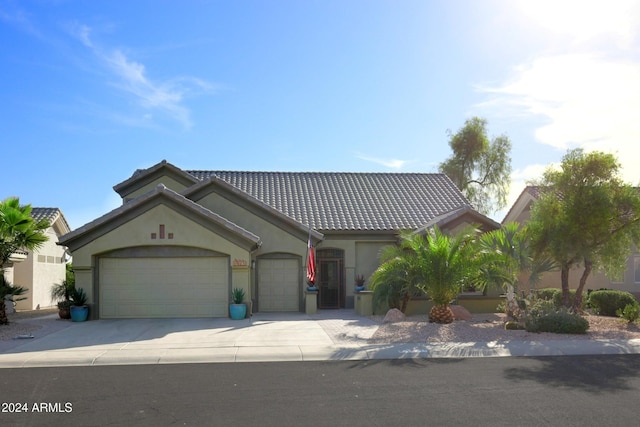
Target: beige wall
{"x":274,"y":238}
{"x":137,"y":232}
{"x":38,"y":276}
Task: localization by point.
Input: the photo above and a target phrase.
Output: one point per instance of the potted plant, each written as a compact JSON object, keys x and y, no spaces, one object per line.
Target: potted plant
{"x":360,"y":283}
{"x":238,"y":310}
{"x":61,"y":292}
{"x":64,"y":309}
{"x":79,"y":309}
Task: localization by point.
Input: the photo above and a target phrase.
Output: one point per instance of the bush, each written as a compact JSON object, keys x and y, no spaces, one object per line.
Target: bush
{"x":558,"y":322}
{"x":630,"y":313}
{"x":544,"y":316}
{"x":608,"y":302}
{"x":549,"y":294}
{"x":554,"y":295}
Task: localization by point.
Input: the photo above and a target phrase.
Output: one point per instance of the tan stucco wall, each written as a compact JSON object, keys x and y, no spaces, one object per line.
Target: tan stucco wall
{"x":367,"y":261}
{"x":274,"y":238}
{"x":38,"y":277}
{"x":137,"y":232}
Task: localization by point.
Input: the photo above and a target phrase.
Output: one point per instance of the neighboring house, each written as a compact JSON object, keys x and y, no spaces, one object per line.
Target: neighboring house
{"x":44,"y":267}
{"x":182,"y":240}
{"x":630,"y":281}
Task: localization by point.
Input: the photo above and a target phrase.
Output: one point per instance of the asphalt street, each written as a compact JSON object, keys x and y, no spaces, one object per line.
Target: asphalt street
{"x":554,"y":391}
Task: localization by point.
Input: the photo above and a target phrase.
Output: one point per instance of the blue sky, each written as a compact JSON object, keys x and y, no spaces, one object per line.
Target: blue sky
{"x":92,"y":90}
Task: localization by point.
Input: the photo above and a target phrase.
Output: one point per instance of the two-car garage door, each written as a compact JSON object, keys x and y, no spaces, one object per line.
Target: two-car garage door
{"x":164,"y":287}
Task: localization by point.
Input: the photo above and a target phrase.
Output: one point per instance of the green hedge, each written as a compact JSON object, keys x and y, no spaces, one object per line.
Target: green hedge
{"x":608,"y":302}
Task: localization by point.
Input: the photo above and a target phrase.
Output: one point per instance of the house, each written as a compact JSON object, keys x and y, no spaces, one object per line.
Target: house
{"x":630,"y":281}
{"x":40,"y":269}
{"x":183,"y":239}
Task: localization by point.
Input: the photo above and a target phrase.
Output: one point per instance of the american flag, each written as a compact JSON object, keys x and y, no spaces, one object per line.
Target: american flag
{"x":311,"y":263}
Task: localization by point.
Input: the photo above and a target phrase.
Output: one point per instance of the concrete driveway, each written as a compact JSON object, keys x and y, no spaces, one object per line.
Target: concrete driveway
{"x":267,"y":337}
{"x":337,"y":334}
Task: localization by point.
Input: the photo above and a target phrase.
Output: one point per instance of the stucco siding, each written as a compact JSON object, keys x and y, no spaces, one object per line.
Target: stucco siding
{"x":39,"y":272}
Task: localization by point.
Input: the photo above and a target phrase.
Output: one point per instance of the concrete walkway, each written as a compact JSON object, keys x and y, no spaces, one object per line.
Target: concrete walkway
{"x":267,"y":337}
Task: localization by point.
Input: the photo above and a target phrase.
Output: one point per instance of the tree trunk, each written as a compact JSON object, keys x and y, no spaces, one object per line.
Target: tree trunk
{"x":564,"y":278}
{"x":577,"y":302}
{"x":405,"y":301}
{"x":3,"y":313}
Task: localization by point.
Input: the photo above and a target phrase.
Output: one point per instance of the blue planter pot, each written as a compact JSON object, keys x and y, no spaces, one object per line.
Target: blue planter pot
{"x":238,"y":311}
{"x":79,"y":314}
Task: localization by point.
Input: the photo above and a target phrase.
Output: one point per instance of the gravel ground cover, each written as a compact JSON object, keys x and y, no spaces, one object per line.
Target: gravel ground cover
{"x":490,"y":327}
{"x":17,"y":325}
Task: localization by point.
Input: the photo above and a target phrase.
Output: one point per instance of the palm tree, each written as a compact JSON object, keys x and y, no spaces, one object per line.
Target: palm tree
{"x":507,"y":257}
{"x":8,"y":290}
{"x":394,"y":283}
{"x":436,"y":264}
{"x":447,"y":264}
{"x":18,"y":232}
{"x":18,"y":229}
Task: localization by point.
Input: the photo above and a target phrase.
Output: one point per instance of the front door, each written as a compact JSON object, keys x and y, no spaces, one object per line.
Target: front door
{"x":331,"y":281}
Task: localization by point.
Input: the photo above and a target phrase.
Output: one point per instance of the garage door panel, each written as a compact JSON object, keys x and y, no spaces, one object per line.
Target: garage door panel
{"x":278,"y":284}
{"x":164,"y":287}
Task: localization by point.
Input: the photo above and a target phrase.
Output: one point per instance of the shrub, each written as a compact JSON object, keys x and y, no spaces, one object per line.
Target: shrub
{"x":544,"y":316}
{"x":554,"y":295}
{"x":559,"y":322}
{"x":548,"y":294}
{"x":630,"y":313}
{"x":608,"y":302}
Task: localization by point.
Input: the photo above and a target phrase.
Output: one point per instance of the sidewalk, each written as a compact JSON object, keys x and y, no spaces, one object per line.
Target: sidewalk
{"x":267,"y":337}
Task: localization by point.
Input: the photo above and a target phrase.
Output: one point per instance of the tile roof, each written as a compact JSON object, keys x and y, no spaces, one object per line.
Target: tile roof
{"x":50,"y":214}
{"x":350,"y":201}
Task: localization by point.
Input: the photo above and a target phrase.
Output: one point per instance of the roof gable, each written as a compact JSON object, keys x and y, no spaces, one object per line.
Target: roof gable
{"x":142,"y":177}
{"x":462,"y":215}
{"x":521,"y":207}
{"x":214,"y":184}
{"x":160,"y":194}
{"x":334,"y":201}
{"x":55,"y":218}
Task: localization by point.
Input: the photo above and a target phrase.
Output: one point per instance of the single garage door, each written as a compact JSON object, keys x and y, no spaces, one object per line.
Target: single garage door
{"x":278,"y":285}
{"x":164,"y":287}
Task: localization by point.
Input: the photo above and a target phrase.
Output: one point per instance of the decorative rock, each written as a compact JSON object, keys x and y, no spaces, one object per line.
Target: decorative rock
{"x":460,"y":313}
{"x":394,"y":315}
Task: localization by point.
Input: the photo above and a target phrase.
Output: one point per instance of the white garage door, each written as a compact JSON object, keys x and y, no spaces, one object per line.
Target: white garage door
{"x":164,"y":287}
{"x":278,"y":285}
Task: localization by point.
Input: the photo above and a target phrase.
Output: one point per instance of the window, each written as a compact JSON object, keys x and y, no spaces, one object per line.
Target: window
{"x":42,"y":258}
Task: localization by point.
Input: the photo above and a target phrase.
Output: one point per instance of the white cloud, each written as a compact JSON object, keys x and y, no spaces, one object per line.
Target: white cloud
{"x":166,"y":96}
{"x":585,"y":20}
{"x":388,"y":163}
{"x":587,"y":101}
